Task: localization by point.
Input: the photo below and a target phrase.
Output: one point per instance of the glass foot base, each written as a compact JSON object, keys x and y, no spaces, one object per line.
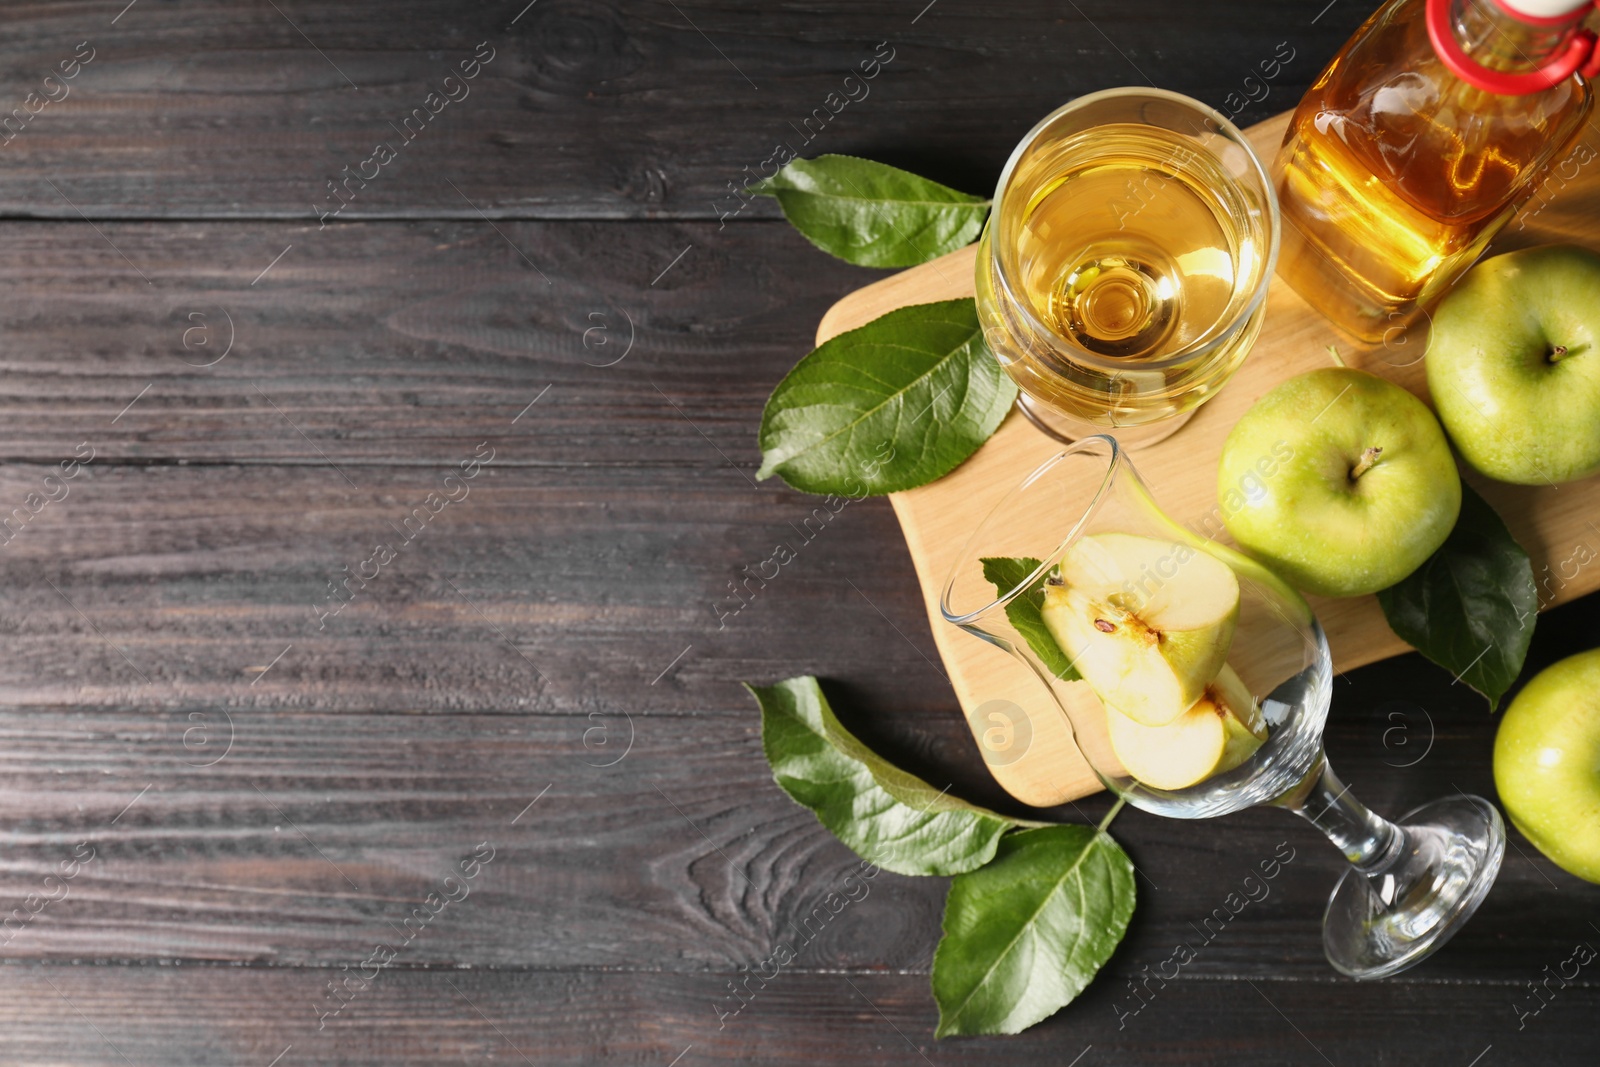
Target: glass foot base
{"x":1380,"y":924}
{"x":1066,"y":429}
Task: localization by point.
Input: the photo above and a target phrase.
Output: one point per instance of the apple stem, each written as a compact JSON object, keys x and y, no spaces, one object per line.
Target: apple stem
{"x":1368,"y":459}
{"x":1333,"y":350}
{"x":1112,"y":814}
{"x":1560,"y":352}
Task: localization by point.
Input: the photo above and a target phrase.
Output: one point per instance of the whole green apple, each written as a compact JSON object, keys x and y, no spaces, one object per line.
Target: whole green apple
{"x":1513,"y":367}
{"x":1547,"y":763}
{"x":1339,"y":481}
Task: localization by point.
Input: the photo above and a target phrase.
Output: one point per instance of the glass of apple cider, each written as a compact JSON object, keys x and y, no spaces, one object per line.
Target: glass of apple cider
{"x":1123,"y":274}
{"x":1197,"y":683}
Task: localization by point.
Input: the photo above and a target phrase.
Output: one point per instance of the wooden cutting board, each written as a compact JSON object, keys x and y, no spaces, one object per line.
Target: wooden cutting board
{"x":1035,"y":759}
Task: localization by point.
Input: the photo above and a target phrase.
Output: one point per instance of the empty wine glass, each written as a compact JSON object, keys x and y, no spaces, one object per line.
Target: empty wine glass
{"x":1197,"y":683}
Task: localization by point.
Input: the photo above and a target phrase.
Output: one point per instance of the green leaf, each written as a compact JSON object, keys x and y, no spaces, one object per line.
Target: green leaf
{"x":888,"y":406}
{"x":872,"y":214}
{"x":889,"y":817}
{"x":1025,"y":934}
{"x":1025,"y":611}
{"x":1472,"y":606}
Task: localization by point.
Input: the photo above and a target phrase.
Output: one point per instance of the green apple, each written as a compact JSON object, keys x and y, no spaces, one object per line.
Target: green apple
{"x":1147,"y":622}
{"x":1221,"y":731}
{"x":1547,"y":763}
{"x":1340,"y":481}
{"x":1513,"y":365}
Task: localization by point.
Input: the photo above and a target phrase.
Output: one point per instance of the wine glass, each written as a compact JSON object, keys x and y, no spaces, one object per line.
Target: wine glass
{"x":1122,"y":276}
{"x":1097,"y":568}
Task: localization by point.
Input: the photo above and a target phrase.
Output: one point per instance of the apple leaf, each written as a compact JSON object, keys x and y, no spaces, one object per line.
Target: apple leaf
{"x":1026,"y":611}
{"x":1471,"y":607}
{"x":894,"y":819}
{"x":1024,"y":935}
{"x":887,"y":406}
{"x":872,"y":214}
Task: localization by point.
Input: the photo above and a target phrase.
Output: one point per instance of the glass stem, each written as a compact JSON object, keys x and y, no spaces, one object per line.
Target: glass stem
{"x":1371,"y":843}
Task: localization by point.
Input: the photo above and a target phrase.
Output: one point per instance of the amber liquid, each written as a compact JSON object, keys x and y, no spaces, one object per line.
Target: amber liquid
{"x":1130,"y":255}
{"x":1395,"y":174}
{"x":1133,"y":243}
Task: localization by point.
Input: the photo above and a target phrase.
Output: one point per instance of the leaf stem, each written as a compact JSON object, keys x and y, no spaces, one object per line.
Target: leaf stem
{"x":1112,"y":814}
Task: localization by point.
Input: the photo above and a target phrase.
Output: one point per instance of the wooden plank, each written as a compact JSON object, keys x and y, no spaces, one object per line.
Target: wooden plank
{"x":312,"y":837}
{"x":189,"y":1016}
{"x":543,"y":589}
{"x":1553,"y":523}
{"x":595,"y":110}
{"x":402,"y":343}
{"x":656,"y":840}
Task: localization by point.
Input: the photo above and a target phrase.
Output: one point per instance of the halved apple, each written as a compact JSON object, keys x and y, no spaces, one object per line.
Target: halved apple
{"x":1221,"y":731}
{"x":1146,"y":622}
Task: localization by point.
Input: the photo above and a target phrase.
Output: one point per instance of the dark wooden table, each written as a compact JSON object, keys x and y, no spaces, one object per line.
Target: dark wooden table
{"x":252,"y":790}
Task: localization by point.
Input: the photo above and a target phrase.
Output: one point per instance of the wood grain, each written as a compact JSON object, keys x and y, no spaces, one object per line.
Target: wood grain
{"x":312,"y":837}
{"x":403,"y":343}
{"x":1551,"y":522}
{"x":656,"y":840}
{"x":189,"y":1016}
{"x":544,"y":589}
{"x":640,"y":110}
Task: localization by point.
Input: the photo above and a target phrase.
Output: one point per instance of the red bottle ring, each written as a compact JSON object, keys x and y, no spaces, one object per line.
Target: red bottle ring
{"x":1581,"y":57}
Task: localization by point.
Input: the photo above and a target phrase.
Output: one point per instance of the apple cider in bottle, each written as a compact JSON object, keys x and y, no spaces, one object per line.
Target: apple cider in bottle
{"x":1418,"y":142}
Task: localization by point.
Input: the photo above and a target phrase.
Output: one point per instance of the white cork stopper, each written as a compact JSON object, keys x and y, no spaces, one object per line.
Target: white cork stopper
{"x":1542,"y":9}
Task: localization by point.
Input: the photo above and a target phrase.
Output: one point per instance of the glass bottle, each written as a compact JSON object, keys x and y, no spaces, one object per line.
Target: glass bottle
{"x":1418,"y":143}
